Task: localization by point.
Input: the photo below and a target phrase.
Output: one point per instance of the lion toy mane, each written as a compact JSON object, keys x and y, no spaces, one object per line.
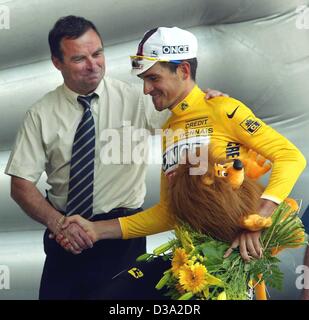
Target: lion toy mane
{"x":216,"y":202}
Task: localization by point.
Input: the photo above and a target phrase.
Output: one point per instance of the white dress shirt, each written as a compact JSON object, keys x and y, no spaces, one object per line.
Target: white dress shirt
{"x":44,"y":143}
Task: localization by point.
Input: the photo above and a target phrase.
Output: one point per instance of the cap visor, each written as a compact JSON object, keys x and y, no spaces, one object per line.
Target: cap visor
{"x":143,"y":65}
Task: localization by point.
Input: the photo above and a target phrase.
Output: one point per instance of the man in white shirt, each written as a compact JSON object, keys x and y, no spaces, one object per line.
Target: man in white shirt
{"x":44,"y":143}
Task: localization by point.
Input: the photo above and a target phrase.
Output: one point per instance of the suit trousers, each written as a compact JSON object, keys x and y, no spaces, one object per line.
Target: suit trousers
{"x":84,"y":276}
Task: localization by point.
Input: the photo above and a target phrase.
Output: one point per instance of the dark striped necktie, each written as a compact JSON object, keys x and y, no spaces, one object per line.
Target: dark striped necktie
{"x":80,"y":194}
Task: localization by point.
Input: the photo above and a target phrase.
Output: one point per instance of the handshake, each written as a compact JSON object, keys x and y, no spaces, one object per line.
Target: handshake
{"x":75,"y":233}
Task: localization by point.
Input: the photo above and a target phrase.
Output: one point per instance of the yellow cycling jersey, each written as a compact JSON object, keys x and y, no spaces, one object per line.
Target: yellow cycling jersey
{"x":232,"y":129}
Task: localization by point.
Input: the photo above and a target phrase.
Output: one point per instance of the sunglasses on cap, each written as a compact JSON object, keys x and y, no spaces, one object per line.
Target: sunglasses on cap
{"x":137,"y":62}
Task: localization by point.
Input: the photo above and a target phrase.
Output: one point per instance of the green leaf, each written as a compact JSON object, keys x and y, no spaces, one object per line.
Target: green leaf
{"x":143,"y":257}
{"x":214,"y":251}
{"x":186,"y":296}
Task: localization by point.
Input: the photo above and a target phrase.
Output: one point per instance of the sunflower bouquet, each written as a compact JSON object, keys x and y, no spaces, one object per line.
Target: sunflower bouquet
{"x":199,"y":271}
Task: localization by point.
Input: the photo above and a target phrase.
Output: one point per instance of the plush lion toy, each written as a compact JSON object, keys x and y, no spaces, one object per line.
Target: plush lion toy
{"x":223,"y":202}
{"x":219,"y":202}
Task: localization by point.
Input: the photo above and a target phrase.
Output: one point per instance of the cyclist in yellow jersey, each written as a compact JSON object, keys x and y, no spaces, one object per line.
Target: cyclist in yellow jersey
{"x":166,"y":61}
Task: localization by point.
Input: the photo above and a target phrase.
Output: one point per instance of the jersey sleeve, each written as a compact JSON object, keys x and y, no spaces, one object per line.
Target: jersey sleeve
{"x":288,"y":162}
{"x":153,"y":220}
{"x":27,"y":159}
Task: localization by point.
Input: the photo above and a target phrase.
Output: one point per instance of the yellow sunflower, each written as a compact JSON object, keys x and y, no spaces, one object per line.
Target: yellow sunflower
{"x":180,"y":259}
{"x":192,"y":278}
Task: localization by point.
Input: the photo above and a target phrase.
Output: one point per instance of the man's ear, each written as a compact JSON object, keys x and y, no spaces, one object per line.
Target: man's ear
{"x":185,"y":69}
{"x":57,"y":63}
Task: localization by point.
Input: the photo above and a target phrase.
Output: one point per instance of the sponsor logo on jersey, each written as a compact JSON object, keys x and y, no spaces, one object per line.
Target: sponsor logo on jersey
{"x":136,"y":273}
{"x":178,"y":151}
{"x":251,"y":125}
{"x":232,"y":150}
{"x":231,"y":115}
{"x":196,"y":123}
{"x":208,"y":131}
{"x":183,"y":106}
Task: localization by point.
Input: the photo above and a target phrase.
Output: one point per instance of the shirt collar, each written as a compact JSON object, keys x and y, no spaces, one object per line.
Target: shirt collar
{"x":72,"y":96}
{"x":184,"y":106}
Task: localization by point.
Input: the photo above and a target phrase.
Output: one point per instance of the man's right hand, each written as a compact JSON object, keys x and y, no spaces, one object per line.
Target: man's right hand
{"x":30,"y":199}
{"x":99,"y":230}
{"x":71,"y":236}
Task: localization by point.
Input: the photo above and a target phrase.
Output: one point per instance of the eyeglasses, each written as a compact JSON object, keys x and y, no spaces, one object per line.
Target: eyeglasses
{"x":136,"y":61}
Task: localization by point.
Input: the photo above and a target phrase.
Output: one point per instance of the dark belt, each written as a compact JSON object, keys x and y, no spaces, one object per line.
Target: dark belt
{"x":113,"y":214}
